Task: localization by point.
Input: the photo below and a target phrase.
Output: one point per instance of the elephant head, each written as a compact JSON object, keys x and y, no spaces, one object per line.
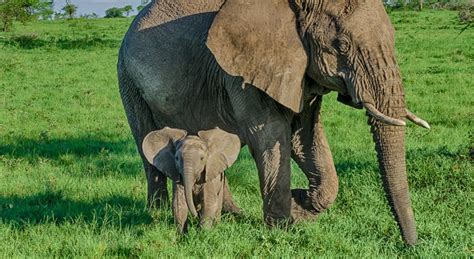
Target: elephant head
{"x":196,"y":162}
{"x":292,"y":48}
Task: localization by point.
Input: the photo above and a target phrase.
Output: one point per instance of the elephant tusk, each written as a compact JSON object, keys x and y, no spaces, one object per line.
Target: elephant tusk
{"x":415,"y":119}
{"x":382,"y":117}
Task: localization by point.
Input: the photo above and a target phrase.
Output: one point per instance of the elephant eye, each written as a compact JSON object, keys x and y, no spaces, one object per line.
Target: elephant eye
{"x":342,"y":45}
{"x":202,"y":158}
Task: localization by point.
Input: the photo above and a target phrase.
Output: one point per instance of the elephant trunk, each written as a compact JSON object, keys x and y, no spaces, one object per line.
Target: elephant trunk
{"x":188,"y":181}
{"x":390,"y":147}
{"x":389,"y":142}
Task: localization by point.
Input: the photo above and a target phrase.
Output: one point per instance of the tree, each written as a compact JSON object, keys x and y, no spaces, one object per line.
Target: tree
{"x":16,"y":10}
{"x":44,"y":9}
{"x":127,"y":9}
{"x":69,"y":9}
{"x":114,"y":12}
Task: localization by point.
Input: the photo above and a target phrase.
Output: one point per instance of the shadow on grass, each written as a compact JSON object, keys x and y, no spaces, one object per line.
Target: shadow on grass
{"x":89,"y":155}
{"x":53,"y":207}
{"x":115,"y":211}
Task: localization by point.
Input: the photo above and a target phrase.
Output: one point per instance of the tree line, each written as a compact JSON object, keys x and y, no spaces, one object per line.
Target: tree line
{"x":28,"y":10}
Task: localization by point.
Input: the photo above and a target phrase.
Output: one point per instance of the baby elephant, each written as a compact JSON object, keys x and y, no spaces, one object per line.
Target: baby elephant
{"x":196,"y":166}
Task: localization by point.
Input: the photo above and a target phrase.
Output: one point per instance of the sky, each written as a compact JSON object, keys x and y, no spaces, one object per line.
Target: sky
{"x":96,"y":6}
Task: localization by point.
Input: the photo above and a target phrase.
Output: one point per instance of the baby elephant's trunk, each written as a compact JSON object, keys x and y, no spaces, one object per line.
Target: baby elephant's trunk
{"x":188,"y":180}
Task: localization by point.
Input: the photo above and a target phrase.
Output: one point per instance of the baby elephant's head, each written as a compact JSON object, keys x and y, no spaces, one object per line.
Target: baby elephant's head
{"x":193,"y":161}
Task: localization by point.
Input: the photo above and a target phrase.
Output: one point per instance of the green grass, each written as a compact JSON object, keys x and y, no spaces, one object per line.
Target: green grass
{"x":71,"y":182}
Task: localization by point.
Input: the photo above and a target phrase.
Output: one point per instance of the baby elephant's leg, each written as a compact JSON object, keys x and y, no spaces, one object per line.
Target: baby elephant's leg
{"x":180,"y":208}
{"x":212,"y":200}
{"x":229,"y":205}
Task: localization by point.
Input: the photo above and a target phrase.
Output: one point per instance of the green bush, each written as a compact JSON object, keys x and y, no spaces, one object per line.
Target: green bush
{"x":465,"y":14}
{"x":114,"y":12}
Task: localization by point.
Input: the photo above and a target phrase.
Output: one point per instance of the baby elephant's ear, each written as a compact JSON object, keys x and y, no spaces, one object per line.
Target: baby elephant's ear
{"x":223,"y":150}
{"x":159,"y":148}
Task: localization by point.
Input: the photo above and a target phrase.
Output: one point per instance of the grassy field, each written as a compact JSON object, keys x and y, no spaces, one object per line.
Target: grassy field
{"x":71,"y":182}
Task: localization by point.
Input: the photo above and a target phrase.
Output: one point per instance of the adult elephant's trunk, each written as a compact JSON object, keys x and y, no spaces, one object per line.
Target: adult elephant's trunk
{"x":390,"y":146}
{"x":188,"y":181}
{"x":389,"y":143}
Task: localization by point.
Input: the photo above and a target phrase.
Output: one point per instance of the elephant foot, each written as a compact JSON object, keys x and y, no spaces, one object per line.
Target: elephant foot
{"x":182,"y":228}
{"x":230,"y":207}
{"x":301,"y":206}
{"x":208,"y":223}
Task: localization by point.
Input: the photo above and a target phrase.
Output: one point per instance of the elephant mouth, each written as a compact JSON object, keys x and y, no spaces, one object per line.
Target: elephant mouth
{"x":341,"y":85}
{"x":347,"y":100}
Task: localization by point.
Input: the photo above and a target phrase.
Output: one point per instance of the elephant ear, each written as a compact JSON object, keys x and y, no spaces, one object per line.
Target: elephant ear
{"x":259,"y":41}
{"x":159,"y":149}
{"x":223,"y":150}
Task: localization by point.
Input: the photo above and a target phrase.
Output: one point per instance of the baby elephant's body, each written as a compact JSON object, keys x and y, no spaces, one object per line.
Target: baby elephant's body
{"x":196,"y":165}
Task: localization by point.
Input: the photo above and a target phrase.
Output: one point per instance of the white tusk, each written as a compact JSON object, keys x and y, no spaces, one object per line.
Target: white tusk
{"x":382,"y":117}
{"x":412,"y":117}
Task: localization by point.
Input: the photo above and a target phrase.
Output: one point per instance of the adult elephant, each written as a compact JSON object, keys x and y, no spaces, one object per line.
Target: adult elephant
{"x":258,"y":69}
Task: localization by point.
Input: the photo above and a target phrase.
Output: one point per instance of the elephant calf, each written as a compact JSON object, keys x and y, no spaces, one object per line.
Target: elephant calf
{"x":196,"y":166}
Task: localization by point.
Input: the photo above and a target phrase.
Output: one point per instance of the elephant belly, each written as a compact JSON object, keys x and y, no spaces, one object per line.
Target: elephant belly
{"x":176,"y":99}
{"x":168,"y":63}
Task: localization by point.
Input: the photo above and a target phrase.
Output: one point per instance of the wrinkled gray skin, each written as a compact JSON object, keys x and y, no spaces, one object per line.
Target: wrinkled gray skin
{"x":258,"y":69}
{"x":196,"y":166}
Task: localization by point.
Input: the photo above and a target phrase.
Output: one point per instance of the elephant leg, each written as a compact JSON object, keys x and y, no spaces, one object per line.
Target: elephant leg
{"x":141,"y":123}
{"x":211,"y":200}
{"x":270,"y":147}
{"x":311,"y":152}
{"x":180,"y":208}
{"x":229,"y":205}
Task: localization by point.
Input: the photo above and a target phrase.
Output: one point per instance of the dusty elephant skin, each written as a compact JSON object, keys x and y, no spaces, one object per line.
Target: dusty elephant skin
{"x":258,"y":69}
{"x":196,"y":166}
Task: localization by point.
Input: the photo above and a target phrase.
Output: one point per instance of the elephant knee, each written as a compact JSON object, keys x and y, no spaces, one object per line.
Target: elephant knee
{"x":322,"y":199}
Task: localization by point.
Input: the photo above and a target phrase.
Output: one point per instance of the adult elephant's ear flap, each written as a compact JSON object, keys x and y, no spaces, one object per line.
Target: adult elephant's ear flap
{"x":259,"y":41}
{"x":223,"y":150}
{"x":159,"y":149}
